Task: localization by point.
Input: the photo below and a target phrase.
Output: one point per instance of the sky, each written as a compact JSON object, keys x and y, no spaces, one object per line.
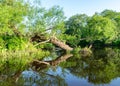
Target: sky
{"x":89,"y":7}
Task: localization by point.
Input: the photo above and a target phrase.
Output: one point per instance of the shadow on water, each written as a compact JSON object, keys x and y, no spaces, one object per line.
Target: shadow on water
{"x":101,"y":68}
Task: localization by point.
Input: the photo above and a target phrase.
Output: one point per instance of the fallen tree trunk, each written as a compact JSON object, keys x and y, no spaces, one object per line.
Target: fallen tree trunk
{"x":60,"y":44}
{"x":53,"y":40}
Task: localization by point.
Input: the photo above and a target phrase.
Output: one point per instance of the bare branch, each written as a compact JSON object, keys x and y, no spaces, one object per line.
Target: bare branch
{"x":42,"y":42}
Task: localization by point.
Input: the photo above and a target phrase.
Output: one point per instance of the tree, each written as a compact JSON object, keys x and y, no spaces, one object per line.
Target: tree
{"x":100,"y":28}
{"x":43,"y":20}
{"x":100,"y":68}
{"x":12,"y":28}
{"x":12,"y":13}
{"x":114,"y":16}
{"x":75,"y":26}
{"x":109,"y":14}
{"x":91,"y":28}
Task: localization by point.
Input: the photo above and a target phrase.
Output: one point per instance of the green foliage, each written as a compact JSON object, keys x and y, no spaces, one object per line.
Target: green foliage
{"x":12,"y":42}
{"x":12,"y":14}
{"x":114,"y":16}
{"x":109,"y":14}
{"x":46,"y":46}
{"x":67,"y":64}
{"x":2,"y":43}
{"x":75,"y":26}
{"x":13,"y":61}
{"x":16,"y":50}
{"x":101,"y":28}
{"x":69,"y":39}
{"x":76,"y":52}
{"x":100,"y":68}
{"x":15,"y":43}
{"x":46,"y":20}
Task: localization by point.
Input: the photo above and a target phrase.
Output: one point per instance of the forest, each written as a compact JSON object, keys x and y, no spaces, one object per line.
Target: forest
{"x":26,"y":31}
{"x":24,"y":25}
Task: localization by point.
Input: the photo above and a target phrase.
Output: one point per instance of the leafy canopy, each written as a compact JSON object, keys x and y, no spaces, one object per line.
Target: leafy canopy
{"x":101,"y":28}
{"x":12,"y":14}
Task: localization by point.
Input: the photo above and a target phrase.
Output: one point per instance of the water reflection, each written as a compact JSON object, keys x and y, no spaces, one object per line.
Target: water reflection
{"x":30,"y":77}
{"x":33,"y":78}
{"x":102,"y":68}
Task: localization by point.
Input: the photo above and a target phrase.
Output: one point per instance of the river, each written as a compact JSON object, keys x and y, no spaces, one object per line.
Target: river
{"x":102,"y":68}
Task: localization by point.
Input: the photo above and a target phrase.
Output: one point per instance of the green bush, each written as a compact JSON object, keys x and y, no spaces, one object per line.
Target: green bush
{"x":11,"y":42}
{"x":2,"y":43}
{"x":46,"y":46}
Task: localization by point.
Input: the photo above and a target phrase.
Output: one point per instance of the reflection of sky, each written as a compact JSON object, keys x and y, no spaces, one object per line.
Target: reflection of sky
{"x":115,"y":82}
{"x":75,"y":81}
{"x":72,"y":80}
{"x":69,"y":78}
{"x":31,"y":77}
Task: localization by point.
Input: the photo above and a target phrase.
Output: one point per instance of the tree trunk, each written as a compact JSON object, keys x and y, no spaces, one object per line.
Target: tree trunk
{"x":60,"y":44}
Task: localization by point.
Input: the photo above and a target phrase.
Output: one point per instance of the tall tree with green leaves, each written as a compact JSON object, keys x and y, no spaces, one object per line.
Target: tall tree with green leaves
{"x":12,"y":13}
{"x":114,"y":16}
{"x":45,"y":20}
{"x":91,"y":29}
{"x":101,"y":28}
{"x":75,"y":26}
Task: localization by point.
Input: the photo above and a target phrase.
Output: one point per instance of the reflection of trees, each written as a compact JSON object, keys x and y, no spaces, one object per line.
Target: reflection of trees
{"x":10,"y":72}
{"x":10,"y":79}
{"x":41,"y":76}
{"x":43,"y":64}
{"x":37,"y":77}
{"x":100,"y":68}
{"x":33,"y":78}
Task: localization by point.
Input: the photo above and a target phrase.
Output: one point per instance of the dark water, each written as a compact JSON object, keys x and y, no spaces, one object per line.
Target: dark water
{"x":102,"y":68}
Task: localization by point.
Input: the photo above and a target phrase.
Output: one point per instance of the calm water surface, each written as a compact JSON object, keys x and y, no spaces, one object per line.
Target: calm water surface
{"x":102,"y":68}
